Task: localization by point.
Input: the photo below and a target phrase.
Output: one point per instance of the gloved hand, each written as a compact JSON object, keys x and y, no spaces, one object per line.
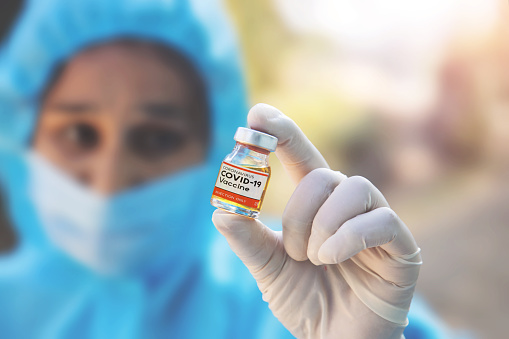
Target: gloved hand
{"x":344,"y":266}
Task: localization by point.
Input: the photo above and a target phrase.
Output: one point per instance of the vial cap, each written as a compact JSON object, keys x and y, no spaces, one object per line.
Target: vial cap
{"x":256,"y":138}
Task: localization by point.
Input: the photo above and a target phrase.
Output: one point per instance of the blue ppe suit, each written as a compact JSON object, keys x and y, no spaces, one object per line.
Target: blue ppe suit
{"x":203,"y":291}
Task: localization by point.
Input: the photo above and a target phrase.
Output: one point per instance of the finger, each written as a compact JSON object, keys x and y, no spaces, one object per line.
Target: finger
{"x":380,"y":227}
{"x":297,"y":154}
{"x":310,"y":194}
{"x":353,"y":196}
{"x":259,"y":248}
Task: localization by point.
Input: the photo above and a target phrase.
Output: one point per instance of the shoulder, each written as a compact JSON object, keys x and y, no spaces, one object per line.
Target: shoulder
{"x":19,"y":290}
{"x":32,"y":279}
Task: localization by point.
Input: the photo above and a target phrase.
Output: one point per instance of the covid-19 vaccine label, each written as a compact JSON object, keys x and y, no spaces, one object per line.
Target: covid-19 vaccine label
{"x":240,"y":185}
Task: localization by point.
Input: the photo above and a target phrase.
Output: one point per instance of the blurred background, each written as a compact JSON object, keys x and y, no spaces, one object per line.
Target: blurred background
{"x":415,"y":97}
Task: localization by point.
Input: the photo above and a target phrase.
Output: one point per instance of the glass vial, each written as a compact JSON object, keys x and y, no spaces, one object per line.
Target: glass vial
{"x":244,"y":174}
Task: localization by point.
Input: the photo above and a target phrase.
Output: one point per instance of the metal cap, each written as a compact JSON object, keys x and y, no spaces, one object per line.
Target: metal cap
{"x":256,"y":138}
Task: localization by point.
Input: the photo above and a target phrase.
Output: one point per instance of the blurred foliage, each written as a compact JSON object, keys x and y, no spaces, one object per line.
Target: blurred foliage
{"x":291,"y":72}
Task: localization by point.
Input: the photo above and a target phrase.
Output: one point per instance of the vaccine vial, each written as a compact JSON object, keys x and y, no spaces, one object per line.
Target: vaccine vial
{"x":244,"y":174}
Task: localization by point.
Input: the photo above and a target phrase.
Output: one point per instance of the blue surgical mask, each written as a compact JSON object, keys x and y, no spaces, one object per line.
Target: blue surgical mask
{"x":120,"y":234}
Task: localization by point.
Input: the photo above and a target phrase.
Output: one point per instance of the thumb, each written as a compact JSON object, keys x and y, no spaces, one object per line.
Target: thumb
{"x":297,"y":154}
{"x":260,"y":248}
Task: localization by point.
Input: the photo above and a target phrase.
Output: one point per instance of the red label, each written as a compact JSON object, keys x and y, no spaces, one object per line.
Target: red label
{"x":233,"y":197}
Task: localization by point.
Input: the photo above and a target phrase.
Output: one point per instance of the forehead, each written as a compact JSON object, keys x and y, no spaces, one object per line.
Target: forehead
{"x":121,"y":70}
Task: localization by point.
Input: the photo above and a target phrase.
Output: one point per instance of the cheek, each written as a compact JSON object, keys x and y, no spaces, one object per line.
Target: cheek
{"x":195,"y":152}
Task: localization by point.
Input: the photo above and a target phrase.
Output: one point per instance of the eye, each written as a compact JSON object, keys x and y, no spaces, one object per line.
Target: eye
{"x":152,"y":142}
{"x":79,"y":137}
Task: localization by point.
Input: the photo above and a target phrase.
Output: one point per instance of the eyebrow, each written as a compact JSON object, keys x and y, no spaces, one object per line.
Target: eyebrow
{"x":162,"y":110}
{"x":74,"y":107}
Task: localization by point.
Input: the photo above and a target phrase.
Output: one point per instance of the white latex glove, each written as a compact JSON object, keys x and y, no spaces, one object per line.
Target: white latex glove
{"x":344,"y":266}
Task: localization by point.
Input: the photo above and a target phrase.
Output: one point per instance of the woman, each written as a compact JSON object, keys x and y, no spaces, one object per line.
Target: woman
{"x":118,"y":115}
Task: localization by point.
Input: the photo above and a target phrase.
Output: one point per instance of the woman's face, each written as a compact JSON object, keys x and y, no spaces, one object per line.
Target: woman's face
{"x":119,"y":115}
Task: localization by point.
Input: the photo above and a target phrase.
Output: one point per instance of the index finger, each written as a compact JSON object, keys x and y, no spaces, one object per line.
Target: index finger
{"x":297,"y":154}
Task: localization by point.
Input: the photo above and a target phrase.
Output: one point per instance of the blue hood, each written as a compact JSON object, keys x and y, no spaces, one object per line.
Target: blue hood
{"x":52,"y":31}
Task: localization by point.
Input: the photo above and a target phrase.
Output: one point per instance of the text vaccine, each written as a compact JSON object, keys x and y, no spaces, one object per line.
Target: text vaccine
{"x":244,"y":173}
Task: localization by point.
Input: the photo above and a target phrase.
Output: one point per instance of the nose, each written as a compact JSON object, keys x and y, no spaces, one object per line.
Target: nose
{"x":110,"y":171}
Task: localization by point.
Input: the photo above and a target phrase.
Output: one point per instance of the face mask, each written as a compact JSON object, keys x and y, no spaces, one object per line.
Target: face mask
{"x":121,"y":234}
